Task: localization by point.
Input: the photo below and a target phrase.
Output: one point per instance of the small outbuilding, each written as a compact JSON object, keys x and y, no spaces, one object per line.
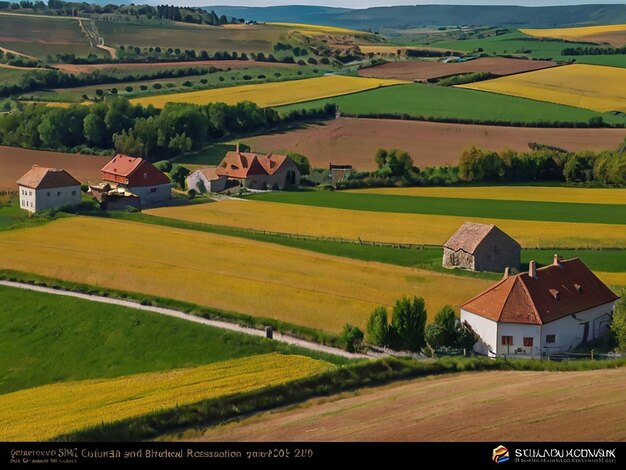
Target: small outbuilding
{"x":48,"y":188}
{"x":481,"y":247}
{"x":206,"y":180}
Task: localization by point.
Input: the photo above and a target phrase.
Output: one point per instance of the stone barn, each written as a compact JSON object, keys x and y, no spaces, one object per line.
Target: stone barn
{"x":481,"y":247}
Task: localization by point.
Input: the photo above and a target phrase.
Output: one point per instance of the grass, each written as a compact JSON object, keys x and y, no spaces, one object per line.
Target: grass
{"x":593,"y":87}
{"x":391,"y":227}
{"x":10,"y":212}
{"x":421,"y":101}
{"x":68,"y":407}
{"x":224,"y":273}
{"x":49,"y":338}
{"x":465,"y":207}
{"x":8,"y":75}
{"x":606,"y":261}
{"x":273,"y":94}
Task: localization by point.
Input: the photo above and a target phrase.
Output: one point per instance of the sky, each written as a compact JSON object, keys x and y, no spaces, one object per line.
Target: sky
{"x":371,"y":3}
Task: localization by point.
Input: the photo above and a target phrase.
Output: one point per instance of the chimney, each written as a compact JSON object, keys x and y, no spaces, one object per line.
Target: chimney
{"x":532,"y":269}
{"x":506,"y":273}
{"x":237,"y":149}
{"x":556,"y":261}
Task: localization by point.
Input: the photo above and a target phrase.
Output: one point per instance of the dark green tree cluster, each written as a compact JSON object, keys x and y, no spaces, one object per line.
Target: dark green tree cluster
{"x":406,"y":330}
{"x":477,"y":165}
{"x":446,"y":332}
{"x":394,"y":163}
{"x":352,"y":336}
{"x":593,"y":50}
{"x":618,"y":325}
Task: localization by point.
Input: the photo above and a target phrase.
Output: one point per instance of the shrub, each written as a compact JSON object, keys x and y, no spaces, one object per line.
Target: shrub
{"x":352,"y":336}
{"x":378,"y":327}
{"x":157,"y":86}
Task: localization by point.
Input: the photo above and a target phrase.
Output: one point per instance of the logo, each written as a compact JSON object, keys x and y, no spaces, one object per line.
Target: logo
{"x":500,"y":454}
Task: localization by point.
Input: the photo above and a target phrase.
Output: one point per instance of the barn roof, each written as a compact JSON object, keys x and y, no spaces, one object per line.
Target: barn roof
{"x":125,"y":166}
{"x":242,"y":165}
{"x":39,"y":177}
{"x":554,"y":291}
{"x":469,"y":237}
{"x":210,"y":173}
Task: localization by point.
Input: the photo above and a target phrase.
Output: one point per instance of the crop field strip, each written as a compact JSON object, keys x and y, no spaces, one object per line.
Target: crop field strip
{"x":223,"y":272}
{"x":614,"y":34}
{"x":421,"y":101}
{"x":42,"y":413}
{"x":388,"y":227}
{"x":355,"y":141}
{"x":594,"y":87}
{"x":512,"y":405}
{"x":273,"y":94}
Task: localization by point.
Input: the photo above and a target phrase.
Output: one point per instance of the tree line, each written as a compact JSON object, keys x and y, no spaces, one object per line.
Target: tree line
{"x":115,"y":124}
{"x":572,"y":51}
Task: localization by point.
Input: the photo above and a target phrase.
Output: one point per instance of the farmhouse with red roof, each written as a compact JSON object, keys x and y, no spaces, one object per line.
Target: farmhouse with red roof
{"x":47,"y":188}
{"x":546,"y":310}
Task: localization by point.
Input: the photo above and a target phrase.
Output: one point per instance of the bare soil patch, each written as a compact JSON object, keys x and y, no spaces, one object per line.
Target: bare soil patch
{"x":354,"y":141}
{"x":14,"y":162}
{"x":484,"y":406}
{"x":426,"y":70}
{"x":220,"y":64}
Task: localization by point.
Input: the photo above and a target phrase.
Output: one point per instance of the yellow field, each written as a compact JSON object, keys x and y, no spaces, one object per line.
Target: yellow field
{"x":42,"y":413}
{"x":388,"y":227}
{"x":313,"y":28}
{"x":577,"y":34}
{"x":513,"y":193}
{"x":228,"y":273}
{"x":273,"y":94}
{"x":593,"y":87}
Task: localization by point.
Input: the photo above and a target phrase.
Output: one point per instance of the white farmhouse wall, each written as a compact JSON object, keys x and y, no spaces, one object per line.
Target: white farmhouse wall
{"x":198,"y":182}
{"x":519,"y":331}
{"x":485,"y":328}
{"x":569,"y":331}
{"x":41,"y":199}
{"x":152,"y":194}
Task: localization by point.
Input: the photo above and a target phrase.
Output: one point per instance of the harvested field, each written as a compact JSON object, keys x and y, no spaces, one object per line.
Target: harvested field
{"x":427,"y":70}
{"x":475,"y":406}
{"x":66,"y":407}
{"x":148,"y":67}
{"x":388,"y":226}
{"x":273,"y":94}
{"x":227,"y":273}
{"x":594,"y":87}
{"x":355,"y":141}
{"x":614,"y":34}
{"x":14,"y":162}
{"x":513,"y":193}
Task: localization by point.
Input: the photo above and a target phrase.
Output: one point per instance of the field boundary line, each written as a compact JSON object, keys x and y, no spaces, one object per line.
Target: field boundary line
{"x":221,"y":324}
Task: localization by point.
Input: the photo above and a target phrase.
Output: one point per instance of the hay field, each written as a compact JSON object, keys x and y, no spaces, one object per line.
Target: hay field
{"x":273,"y":94}
{"x":227,"y":273}
{"x":44,"y":412}
{"x":475,"y":406}
{"x":513,"y":193}
{"x":428,"y":70}
{"x":614,"y":34}
{"x":594,"y":87}
{"x":388,"y":226}
{"x":355,"y":141}
{"x":314,"y":28}
{"x":14,"y":162}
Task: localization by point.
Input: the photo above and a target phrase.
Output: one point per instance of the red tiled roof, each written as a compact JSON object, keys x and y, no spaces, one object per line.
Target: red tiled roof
{"x":133,"y":171}
{"x":39,"y":177}
{"x":555,"y":292}
{"x":469,"y":236}
{"x":210,"y":173}
{"x":242,"y":165}
{"x":122,"y":165}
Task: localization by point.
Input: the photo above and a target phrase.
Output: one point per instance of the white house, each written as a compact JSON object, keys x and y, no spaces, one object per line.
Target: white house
{"x":47,"y":188}
{"x":543,"y":311}
{"x":206,"y":180}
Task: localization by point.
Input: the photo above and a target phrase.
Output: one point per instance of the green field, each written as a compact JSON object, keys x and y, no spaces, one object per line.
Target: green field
{"x":47,"y":338}
{"x":497,"y":209}
{"x":8,"y":75}
{"x":10,"y":212}
{"x":441,"y":103}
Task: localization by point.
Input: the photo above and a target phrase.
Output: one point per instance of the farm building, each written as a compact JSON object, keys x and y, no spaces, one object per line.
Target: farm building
{"x":259,"y":171}
{"x":206,"y":180}
{"x":133,"y":176}
{"x":541,"y":312}
{"x":481,"y":247}
{"x":47,"y":188}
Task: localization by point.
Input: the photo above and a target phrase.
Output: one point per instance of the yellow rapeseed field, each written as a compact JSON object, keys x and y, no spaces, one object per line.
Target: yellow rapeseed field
{"x":594,"y":87}
{"x":274,"y":94}
{"x":576,"y":34}
{"x":228,"y":273}
{"x":388,"y":226}
{"x":314,"y":28}
{"x":513,"y":193}
{"x":42,"y":413}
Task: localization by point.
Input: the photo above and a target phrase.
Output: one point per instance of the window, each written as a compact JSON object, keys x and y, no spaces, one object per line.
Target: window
{"x":58,"y":193}
{"x":73,"y":193}
{"x":145,"y":176}
{"x":550,"y":338}
{"x":30,"y":193}
{"x":507,"y":341}
{"x":528,"y":342}
{"x":48,"y":194}
{"x":153,"y":190}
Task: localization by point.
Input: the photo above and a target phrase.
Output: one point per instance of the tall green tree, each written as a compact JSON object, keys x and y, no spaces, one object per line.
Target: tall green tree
{"x":408,"y":323}
{"x":378,"y":327}
{"x":442,"y":331}
{"x":618,"y":325}
{"x":301,"y":162}
{"x":94,"y":129}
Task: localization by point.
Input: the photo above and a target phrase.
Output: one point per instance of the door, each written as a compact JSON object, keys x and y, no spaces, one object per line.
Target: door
{"x":585,"y":332}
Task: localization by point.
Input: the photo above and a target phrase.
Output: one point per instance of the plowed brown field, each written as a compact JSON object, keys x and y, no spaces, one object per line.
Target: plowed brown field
{"x":14,"y":162}
{"x":430,"y":70}
{"x":354,"y":141}
{"x":220,"y":64}
{"x":483,"y":406}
